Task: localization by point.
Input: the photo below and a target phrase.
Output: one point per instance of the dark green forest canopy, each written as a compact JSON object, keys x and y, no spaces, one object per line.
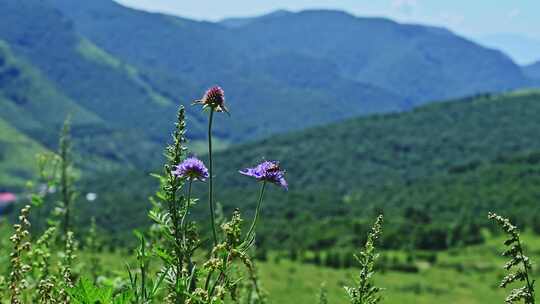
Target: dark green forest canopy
{"x":397,"y":148}
{"x":446,"y":164}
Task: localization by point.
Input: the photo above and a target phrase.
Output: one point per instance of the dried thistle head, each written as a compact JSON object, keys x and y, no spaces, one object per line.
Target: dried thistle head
{"x":214,"y":99}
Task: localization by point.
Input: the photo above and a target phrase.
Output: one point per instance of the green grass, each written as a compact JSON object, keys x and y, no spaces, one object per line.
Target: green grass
{"x":299,"y":284}
{"x":92,"y":52}
{"x":469,"y":275}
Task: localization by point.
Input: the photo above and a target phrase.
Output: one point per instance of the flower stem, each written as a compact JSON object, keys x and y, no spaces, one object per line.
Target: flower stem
{"x":257,"y":211}
{"x":211,"y":177}
{"x":530,"y":287}
{"x":186,"y":209}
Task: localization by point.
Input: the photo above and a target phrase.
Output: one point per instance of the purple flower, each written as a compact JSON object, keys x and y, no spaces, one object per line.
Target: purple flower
{"x":268,"y":171}
{"x":214,"y":98}
{"x":192,"y":169}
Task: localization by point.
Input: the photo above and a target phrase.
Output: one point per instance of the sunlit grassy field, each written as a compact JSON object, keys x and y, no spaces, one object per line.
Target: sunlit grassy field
{"x":467,"y":275}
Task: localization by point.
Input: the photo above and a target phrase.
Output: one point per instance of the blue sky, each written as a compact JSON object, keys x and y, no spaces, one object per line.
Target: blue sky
{"x":513,"y":25}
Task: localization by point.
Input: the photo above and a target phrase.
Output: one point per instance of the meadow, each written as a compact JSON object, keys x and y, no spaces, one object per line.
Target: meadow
{"x":356,"y":159}
{"x":185,"y":259}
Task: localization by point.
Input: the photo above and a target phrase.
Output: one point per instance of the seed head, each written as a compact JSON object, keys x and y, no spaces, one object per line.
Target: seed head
{"x":214,"y":98}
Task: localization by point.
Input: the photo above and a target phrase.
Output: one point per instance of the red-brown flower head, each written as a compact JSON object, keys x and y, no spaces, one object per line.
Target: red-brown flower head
{"x":214,"y":98}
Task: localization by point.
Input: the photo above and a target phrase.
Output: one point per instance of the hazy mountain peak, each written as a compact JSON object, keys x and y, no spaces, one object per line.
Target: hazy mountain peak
{"x":534,"y":65}
{"x":235,"y":22}
{"x":524,"y":49}
{"x":533,"y":71}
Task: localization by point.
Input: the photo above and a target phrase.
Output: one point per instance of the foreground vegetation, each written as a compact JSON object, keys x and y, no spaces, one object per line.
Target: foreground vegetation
{"x":465,"y":275}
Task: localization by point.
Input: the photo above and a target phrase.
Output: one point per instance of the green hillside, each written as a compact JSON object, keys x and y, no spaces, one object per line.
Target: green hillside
{"x":398,"y":148}
{"x":49,"y":72}
{"x":419,"y":160}
{"x":33,"y":105}
{"x":443,"y":165}
{"x":103,"y":85}
{"x":17,"y":156}
{"x":177,"y":52}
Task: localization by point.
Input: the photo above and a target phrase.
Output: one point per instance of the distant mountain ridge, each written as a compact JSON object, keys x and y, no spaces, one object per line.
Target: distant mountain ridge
{"x":523,"y":48}
{"x":243,"y":21}
{"x":533,"y":71}
{"x":204,"y":53}
{"x":418,"y":63}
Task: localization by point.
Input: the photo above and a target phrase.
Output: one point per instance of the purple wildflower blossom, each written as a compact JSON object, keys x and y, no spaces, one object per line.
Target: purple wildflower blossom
{"x":268,"y":171}
{"x":192,"y":168}
{"x":215,"y":99}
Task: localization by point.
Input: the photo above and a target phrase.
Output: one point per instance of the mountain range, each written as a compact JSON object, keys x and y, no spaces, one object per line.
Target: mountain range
{"x":121,"y":74}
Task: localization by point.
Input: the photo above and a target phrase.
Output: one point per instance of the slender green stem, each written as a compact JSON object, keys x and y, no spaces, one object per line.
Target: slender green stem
{"x":211,"y":177}
{"x":183,"y":226}
{"x":173,"y":210}
{"x":64,"y":178}
{"x":186,"y":209}
{"x":143,"y":269}
{"x":530,"y":287}
{"x":257,"y":211}
{"x":222,"y":273}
